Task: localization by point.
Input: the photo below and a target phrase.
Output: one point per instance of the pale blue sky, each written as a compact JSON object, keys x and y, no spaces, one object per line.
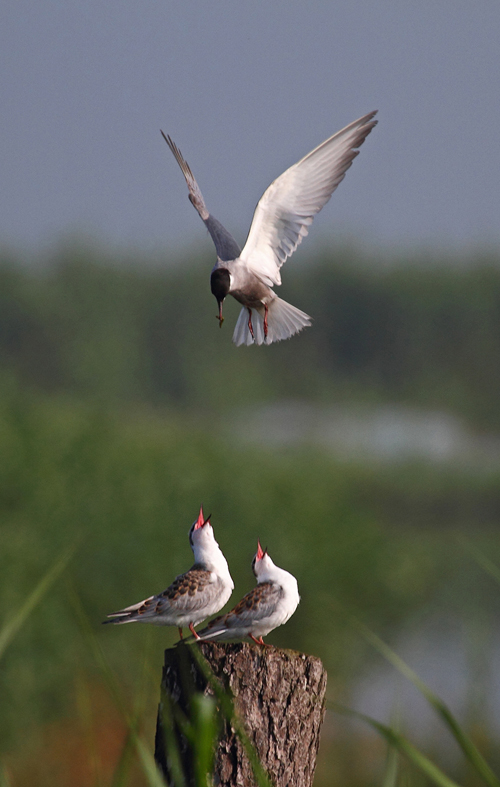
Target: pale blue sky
{"x":246,"y":89}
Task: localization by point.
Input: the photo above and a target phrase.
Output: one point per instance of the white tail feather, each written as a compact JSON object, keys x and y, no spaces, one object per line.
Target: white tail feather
{"x":219,"y":632}
{"x":283,"y":321}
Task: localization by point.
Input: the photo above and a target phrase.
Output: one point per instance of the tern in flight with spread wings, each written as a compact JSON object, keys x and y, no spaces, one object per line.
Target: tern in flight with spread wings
{"x":280,"y":221}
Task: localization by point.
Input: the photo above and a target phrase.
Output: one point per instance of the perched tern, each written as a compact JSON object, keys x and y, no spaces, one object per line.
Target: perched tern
{"x":270,"y":604}
{"x":200,"y":592}
{"x":280,"y":221}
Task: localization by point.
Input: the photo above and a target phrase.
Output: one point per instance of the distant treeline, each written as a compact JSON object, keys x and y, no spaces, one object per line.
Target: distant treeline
{"x":424,"y":332}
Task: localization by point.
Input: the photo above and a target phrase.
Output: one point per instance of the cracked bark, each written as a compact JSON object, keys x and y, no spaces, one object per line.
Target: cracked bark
{"x":279,"y":696}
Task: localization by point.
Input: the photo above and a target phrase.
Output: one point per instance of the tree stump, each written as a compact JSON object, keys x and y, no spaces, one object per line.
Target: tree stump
{"x":279,"y":697}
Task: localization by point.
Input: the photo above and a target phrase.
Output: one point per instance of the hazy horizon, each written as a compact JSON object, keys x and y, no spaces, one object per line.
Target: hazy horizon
{"x":245,"y":92}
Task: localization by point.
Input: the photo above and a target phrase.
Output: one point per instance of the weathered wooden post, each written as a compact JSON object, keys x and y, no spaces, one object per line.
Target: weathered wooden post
{"x":279,"y":697}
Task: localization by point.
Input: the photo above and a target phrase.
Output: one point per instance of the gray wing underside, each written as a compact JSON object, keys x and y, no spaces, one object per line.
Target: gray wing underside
{"x":287,"y":208}
{"x":225,"y":245}
{"x":257,"y":605}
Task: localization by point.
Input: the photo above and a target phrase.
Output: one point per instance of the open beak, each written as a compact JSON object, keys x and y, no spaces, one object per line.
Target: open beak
{"x":201,"y":521}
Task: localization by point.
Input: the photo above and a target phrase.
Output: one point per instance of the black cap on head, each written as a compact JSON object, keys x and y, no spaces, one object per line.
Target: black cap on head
{"x":220,"y":283}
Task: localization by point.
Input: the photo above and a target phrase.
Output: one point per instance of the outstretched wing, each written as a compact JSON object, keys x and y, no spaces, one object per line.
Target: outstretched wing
{"x":195,"y":195}
{"x":287,"y":208}
{"x":225,"y":245}
{"x":257,"y":605}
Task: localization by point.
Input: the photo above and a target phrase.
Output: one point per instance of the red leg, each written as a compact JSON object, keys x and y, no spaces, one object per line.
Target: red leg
{"x":180,"y":632}
{"x":193,"y":632}
{"x":266,"y":307}
{"x":250,"y":326}
{"x":259,"y":641}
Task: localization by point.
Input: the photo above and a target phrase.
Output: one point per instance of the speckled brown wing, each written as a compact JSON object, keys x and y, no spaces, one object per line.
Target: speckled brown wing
{"x":257,"y":604}
{"x":188,"y":593}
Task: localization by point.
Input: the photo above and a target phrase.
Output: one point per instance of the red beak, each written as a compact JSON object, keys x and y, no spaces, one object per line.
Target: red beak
{"x":260,"y":554}
{"x":220,"y":317}
{"x":201,"y":521}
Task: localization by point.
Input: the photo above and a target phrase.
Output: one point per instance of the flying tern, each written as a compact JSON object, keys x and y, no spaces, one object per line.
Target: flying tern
{"x":280,"y":221}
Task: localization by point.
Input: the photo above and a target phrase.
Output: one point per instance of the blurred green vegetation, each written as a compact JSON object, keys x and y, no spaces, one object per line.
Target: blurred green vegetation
{"x":424,"y":330}
{"x":115,"y":383}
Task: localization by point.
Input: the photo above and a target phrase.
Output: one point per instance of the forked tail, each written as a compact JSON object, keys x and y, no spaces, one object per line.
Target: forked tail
{"x":283,"y":321}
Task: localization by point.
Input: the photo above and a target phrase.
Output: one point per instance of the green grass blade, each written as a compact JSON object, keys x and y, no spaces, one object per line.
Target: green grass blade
{"x":390,"y":777}
{"x":225,"y":700}
{"x":403,"y":745}
{"x":12,"y":626}
{"x":204,"y":715}
{"x":198,"y":726}
{"x":170,"y":714}
{"x":149,"y":767}
{"x":153,"y":775}
{"x":120,"y":775}
{"x":468,"y":747}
